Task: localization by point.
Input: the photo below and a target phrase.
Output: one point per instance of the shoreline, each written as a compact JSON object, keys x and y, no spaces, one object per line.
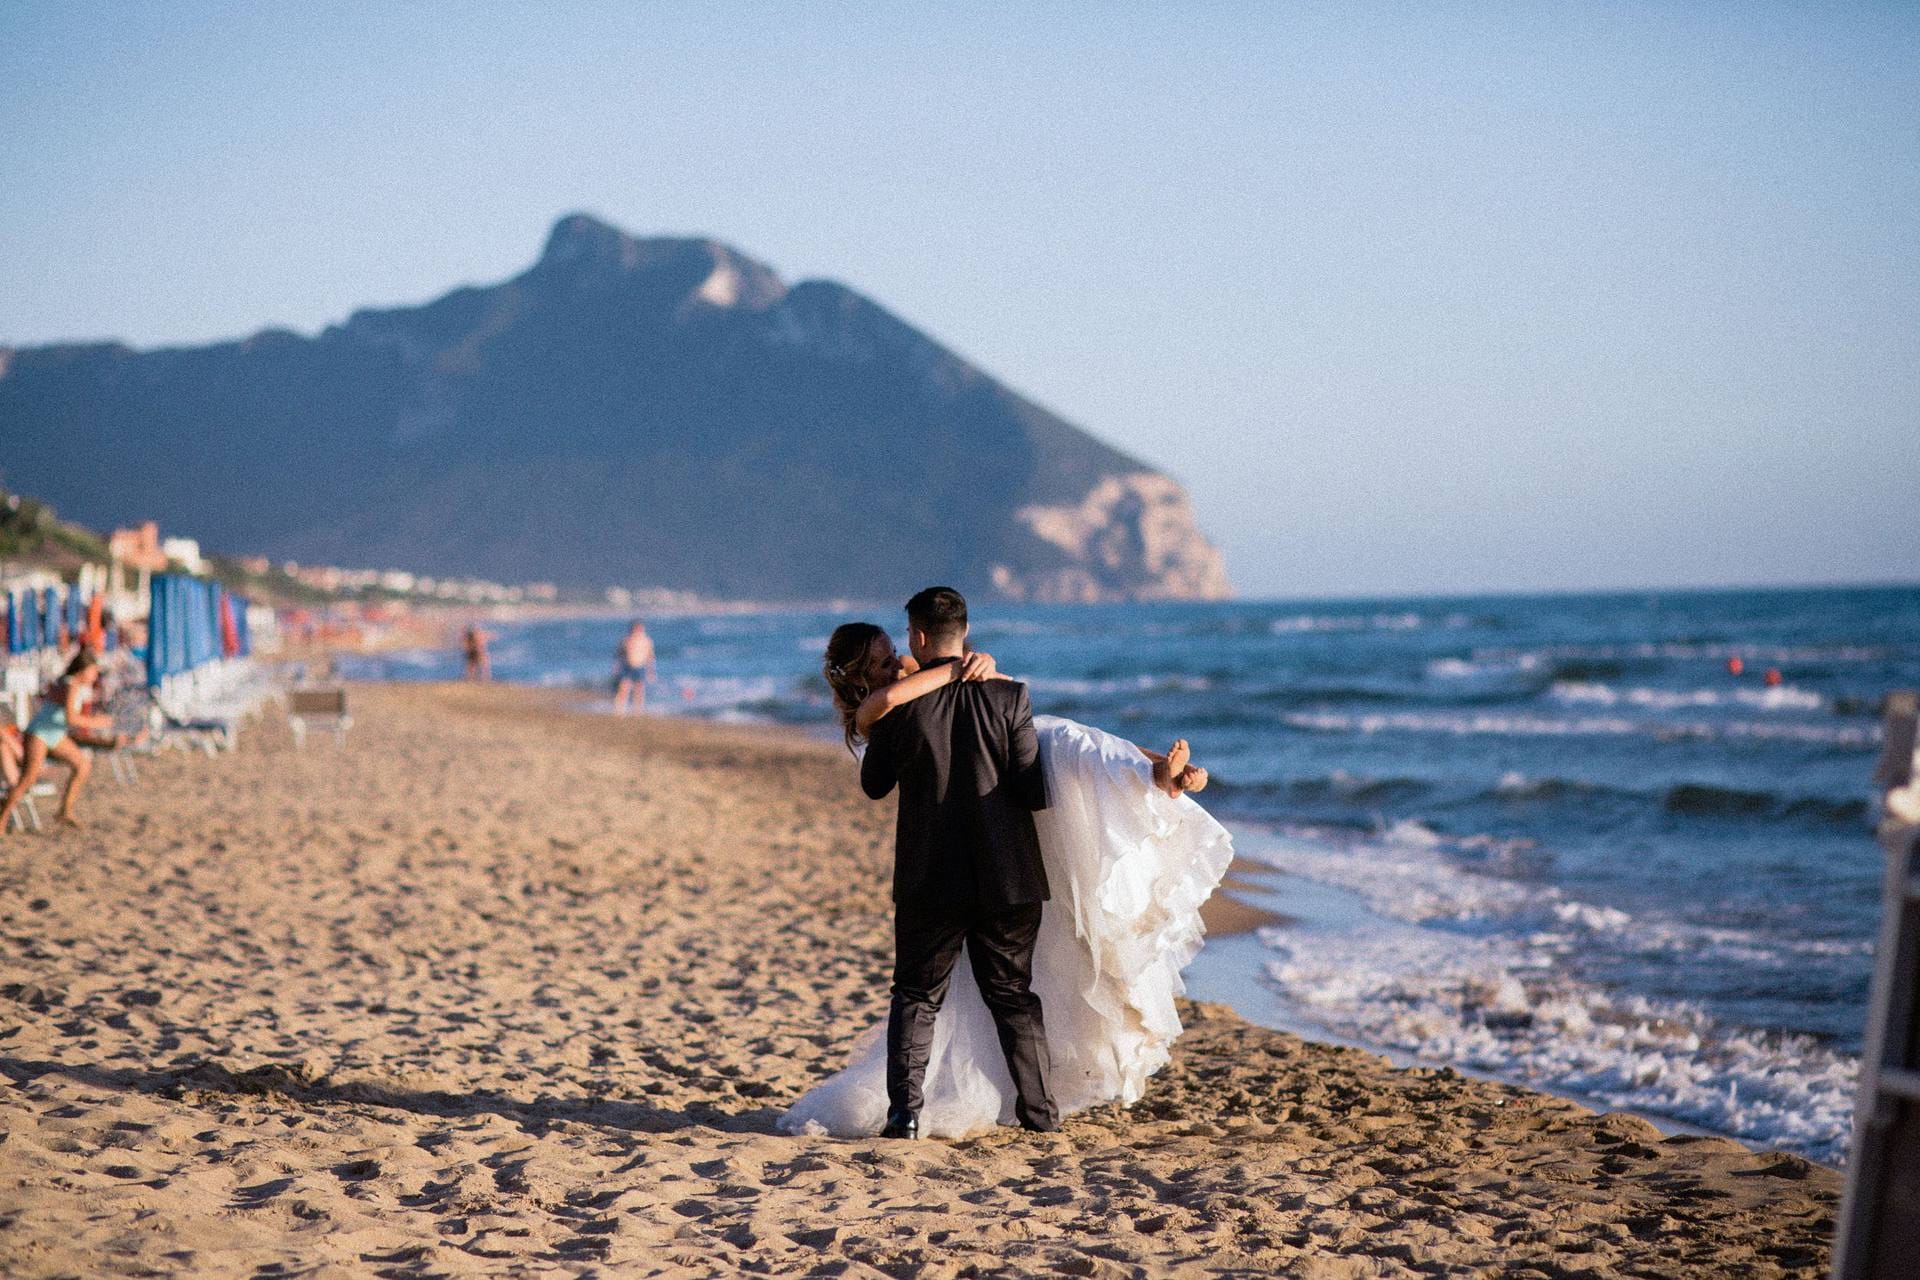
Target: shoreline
{"x":1246,"y":904}
{"x":503,"y":985}
{"x":1233,"y":978}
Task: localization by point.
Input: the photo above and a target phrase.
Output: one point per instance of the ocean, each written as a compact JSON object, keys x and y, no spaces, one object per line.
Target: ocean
{"x":1552,"y":839}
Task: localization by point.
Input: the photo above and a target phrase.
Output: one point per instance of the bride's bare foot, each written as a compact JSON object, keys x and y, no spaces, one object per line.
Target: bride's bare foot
{"x":1192,"y":778}
{"x":1166,"y":771}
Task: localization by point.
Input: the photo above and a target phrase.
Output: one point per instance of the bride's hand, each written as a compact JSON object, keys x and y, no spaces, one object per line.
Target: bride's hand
{"x":978,"y":665}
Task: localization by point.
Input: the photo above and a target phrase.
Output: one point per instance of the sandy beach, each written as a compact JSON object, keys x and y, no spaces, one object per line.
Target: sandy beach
{"x":503,"y":989}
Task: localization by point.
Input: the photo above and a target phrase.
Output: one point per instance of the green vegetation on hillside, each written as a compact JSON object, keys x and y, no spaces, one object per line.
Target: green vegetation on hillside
{"x":275,"y":586}
{"x":29,"y":530}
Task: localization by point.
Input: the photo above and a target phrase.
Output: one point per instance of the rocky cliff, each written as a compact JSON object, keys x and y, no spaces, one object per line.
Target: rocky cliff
{"x":662,"y":412}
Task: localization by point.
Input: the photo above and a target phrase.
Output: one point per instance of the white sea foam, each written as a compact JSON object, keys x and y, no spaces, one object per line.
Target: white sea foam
{"x":1683,"y":652}
{"x":1346,"y":622}
{"x":1497,"y":1005}
{"x":1777,"y":698}
{"x":1126,"y":684}
{"x":1503,"y":1002}
{"x":1481,"y":667}
{"x":1528,"y":724}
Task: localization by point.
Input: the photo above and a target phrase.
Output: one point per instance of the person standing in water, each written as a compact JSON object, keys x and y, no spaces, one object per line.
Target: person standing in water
{"x":632,"y":668}
{"x":474,"y":643}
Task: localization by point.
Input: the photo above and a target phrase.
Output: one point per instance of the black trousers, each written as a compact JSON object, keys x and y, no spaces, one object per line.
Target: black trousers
{"x":926,"y":945}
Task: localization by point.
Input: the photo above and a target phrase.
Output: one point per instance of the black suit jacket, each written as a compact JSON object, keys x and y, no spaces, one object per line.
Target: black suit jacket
{"x":968,"y":767}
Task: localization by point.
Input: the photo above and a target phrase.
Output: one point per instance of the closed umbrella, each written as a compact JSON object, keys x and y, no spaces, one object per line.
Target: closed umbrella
{"x":160,"y":624}
{"x":229,"y":629}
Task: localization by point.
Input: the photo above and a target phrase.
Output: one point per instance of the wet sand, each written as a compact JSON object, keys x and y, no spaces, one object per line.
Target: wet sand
{"x":1234,"y":908}
{"x":503,"y":989}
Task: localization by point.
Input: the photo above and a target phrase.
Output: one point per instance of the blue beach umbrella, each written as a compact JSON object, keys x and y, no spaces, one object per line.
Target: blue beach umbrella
{"x":207,"y":617}
{"x":50,"y":617}
{"x":159,"y":628}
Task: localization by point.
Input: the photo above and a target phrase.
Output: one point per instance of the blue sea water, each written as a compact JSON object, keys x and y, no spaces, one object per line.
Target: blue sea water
{"x":1551,"y":838}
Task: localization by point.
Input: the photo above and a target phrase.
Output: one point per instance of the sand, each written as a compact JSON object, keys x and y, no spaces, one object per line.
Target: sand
{"x":500,"y":989}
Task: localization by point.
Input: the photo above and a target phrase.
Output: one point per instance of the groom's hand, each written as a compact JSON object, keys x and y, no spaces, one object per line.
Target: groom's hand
{"x":978,"y":666}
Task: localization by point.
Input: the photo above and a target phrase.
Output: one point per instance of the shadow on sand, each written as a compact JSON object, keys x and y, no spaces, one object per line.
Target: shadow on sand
{"x":303,"y":1086}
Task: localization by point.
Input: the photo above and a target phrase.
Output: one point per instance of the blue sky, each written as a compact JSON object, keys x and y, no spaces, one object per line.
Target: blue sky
{"x":1415,"y":298}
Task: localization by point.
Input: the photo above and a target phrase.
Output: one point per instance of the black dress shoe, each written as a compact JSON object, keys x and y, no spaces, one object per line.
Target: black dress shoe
{"x":901,"y":1124}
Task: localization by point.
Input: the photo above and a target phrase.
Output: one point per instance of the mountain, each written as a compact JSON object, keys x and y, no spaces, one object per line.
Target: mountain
{"x":654,"y":412}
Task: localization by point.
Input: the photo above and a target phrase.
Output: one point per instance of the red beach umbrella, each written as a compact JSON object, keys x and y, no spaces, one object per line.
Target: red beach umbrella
{"x":229,"y":632}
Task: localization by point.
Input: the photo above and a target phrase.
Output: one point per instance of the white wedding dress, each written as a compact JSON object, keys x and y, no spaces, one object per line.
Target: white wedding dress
{"x":1128,"y":866}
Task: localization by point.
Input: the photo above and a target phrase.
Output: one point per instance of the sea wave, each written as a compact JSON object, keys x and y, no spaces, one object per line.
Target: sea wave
{"x":1694,"y":651}
{"x":1094,"y":687}
{"x":1480,"y":667}
{"x":1348,"y":622}
{"x":1514,"y":785}
{"x":1535,"y":725}
{"x":1413,"y":976}
{"x":1493,"y":1005}
{"x":1696,"y":799}
{"x":1348,"y":788}
{"x":1777,"y":698}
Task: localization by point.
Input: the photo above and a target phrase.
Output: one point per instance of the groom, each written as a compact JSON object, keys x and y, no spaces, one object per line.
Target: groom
{"x":966,"y":863}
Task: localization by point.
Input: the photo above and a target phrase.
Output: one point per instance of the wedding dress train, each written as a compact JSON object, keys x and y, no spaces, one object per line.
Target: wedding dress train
{"x":1128,"y":866}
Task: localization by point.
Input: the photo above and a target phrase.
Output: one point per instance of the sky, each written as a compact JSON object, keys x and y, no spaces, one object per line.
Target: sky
{"x":1414,"y":298}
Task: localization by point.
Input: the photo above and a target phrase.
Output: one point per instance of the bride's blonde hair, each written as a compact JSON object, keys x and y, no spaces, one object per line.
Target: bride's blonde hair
{"x":849,"y":652}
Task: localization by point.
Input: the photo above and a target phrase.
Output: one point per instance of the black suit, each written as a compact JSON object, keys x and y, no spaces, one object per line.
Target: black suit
{"x":967,"y":869}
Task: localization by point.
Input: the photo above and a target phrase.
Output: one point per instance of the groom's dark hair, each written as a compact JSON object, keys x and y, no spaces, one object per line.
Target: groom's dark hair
{"x":939,"y":611}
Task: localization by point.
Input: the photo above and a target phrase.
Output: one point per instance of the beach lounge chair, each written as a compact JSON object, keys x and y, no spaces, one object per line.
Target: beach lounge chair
{"x":323,"y":708}
{"x":165,"y":729}
{"x":26,"y":815}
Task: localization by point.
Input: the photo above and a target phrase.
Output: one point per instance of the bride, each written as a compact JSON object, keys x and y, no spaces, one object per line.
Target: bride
{"x":1130,"y":857}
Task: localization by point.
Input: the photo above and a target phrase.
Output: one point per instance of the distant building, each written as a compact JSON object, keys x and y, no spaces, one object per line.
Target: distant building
{"x":134,"y":556}
{"x":185,"y":552}
{"x":138,"y":548}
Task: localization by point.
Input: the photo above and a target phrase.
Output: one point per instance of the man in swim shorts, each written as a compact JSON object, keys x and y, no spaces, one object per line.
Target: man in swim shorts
{"x":632,"y":668}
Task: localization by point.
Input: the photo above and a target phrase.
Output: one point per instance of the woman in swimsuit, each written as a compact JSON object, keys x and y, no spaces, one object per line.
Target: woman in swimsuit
{"x":62,"y":709}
